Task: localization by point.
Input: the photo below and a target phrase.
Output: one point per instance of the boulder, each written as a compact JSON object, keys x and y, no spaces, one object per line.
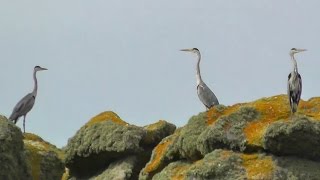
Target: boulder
{"x":12,"y":158}
{"x":44,"y":159}
{"x":265,"y":125}
{"x":224,"y":164}
{"x":99,"y":147}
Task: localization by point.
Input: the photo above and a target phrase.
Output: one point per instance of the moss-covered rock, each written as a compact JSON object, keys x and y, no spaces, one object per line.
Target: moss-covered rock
{"x":225,"y":165}
{"x":100,"y":145}
{"x":12,"y":158}
{"x":157,"y":131}
{"x":227,"y":131}
{"x":299,"y":137}
{"x":122,"y":169}
{"x":264,"y":125}
{"x":161,"y":156}
{"x":44,"y":159}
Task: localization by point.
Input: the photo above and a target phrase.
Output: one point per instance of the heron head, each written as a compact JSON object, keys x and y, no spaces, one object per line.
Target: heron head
{"x":296,"y":50}
{"x":192,"y":50}
{"x":38,"y":68}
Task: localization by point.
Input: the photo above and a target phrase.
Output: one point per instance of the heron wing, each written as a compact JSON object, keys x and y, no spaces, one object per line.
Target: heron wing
{"x":206,"y":96}
{"x":289,"y":92}
{"x":23,"y":106}
{"x":294,"y":88}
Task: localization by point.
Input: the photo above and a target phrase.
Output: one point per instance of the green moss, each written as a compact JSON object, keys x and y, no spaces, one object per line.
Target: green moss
{"x":157,"y":131}
{"x":218,"y":164}
{"x":44,"y":159}
{"x":12,"y":157}
{"x":95,"y":146}
{"x":187,"y":140}
{"x":299,"y":137}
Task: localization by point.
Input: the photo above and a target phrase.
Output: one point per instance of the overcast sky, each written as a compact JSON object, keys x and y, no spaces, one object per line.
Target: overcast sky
{"x":123,"y":56}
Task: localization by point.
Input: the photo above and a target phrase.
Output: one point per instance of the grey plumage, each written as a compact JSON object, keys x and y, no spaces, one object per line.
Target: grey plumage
{"x":26,"y":103}
{"x":206,"y":96}
{"x":294,"y":83}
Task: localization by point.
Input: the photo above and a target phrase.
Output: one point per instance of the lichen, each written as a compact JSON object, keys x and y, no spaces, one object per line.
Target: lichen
{"x":157,"y":131}
{"x":38,"y":153}
{"x":158,"y":153}
{"x":106,"y":116}
{"x":258,"y":167}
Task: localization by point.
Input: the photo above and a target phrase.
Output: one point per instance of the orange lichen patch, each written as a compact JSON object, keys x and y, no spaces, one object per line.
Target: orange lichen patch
{"x":271,"y":109}
{"x":106,"y":116}
{"x":257,"y":168}
{"x":179,"y":172}
{"x":214,"y":114}
{"x":155,"y":126}
{"x":310,"y":108}
{"x":159,"y":152}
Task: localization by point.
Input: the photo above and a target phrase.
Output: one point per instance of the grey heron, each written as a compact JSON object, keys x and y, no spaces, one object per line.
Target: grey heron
{"x":27,"y":102}
{"x":294,"y":82}
{"x":205,"y":95}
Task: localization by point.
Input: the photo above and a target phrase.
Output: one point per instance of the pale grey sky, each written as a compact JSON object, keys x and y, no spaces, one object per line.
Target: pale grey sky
{"x":123,"y":56}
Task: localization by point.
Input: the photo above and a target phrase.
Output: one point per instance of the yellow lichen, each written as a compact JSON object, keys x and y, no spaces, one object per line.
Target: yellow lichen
{"x":158,"y":153}
{"x":34,"y":160}
{"x":36,"y":146}
{"x":179,"y":172}
{"x":258,"y":168}
{"x":310,"y":108}
{"x":214,"y":114}
{"x":107,"y":116}
{"x":155,"y":126}
{"x":271,"y":109}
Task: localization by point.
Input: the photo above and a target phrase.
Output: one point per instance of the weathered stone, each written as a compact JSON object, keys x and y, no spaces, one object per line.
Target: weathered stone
{"x":43,"y":158}
{"x":12,"y":158}
{"x":102,"y":140}
{"x":157,"y":131}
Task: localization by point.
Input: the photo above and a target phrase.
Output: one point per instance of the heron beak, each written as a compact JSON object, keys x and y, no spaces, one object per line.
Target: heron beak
{"x":185,"y":49}
{"x":44,"y":69}
{"x":301,"y":50}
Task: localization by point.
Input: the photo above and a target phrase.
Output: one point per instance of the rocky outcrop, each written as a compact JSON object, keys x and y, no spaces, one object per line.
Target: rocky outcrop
{"x":27,"y":156}
{"x":255,"y":140}
{"x":44,"y":159}
{"x":12,"y":158}
{"x":107,"y":144}
{"x":262,"y":132}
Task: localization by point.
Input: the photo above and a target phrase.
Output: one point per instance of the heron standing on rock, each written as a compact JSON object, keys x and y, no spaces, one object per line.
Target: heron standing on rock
{"x":27,"y":102}
{"x":294,"y":82}
{"x":206,"y":96}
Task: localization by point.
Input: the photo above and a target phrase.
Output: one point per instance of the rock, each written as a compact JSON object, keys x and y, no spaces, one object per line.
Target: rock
{"x":223,"y":164}
{"x":43,"y":158}
{"x":161,"y":156}
{"x":264,"y":125}
{"x":101,"y":144}
{"x":122,"y":169}
{"x":13,"y":161}
{"x":157,"y":131}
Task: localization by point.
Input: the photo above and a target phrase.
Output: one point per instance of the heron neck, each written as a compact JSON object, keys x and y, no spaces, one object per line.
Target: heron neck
{"x":295,"y":66}
{"x":198,"y":75}
{"x":35,"y":89}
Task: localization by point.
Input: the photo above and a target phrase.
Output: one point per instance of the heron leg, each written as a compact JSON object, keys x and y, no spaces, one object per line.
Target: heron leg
{"x":24,"y":123}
